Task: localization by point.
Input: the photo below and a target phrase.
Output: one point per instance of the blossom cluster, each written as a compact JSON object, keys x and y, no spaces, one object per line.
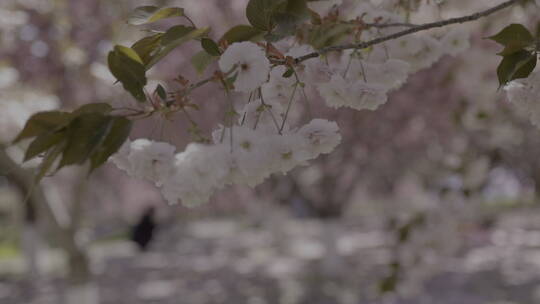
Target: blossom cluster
{"x":362,"y":80}
{"x":239,"y":155}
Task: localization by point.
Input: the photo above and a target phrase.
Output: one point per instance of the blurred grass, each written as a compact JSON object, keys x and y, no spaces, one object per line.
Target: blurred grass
{"x":9,"y":250}
{"x":115,"y":237}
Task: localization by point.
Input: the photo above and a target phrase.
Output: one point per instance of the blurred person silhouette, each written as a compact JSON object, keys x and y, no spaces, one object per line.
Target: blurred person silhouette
{"x":143,"y":232}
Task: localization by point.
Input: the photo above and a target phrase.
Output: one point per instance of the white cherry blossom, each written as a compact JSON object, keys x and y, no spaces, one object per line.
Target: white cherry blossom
{"x":359,"y":95}
{"x":251,"y":65}
{"x":151,"y":160}
{"x":390,"y":74}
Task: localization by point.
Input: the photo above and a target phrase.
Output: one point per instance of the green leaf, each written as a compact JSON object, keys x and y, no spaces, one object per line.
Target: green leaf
{"x":84,"y":134}
{"x":148,"y":47}
{"x":288,"y":73}
{"x":210,"y":47}
{"x":99,"y":107}
{"x":298,"y":8}
{"x":175,"y":33}
{"x":126,"y":65}
{"x":241,"y":33}
{"x":88,"y":133}
{"x":174,"y":37}
{"x":202,"y":60}
{"x":514,"y":38}
{"x":515,"y":66}
{"x":43,"y":122}
{"x":286,"y":25}
{"x":119,"y":130}
{"x":285,"y":18}
{"x":259,"y":13}
{"x":43,"y":143}
{"x":148,"y":14}
{"x":160,"y":90}
{"x":49,"y":160}
{"x":512,"y":33}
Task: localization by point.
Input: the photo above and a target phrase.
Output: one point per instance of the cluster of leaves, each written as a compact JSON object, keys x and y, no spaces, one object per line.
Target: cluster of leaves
{"x":282,"y":18}
{"x":89,"y":133}
{"x":520,"y":53}
{"x":278,"y":18}
{"x":129,"y":64}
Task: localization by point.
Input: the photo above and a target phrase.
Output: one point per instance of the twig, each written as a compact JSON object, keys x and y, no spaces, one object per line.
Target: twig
{"x":386,"y":25}
{"x":199,"y":84}
{"x":418,"y":28}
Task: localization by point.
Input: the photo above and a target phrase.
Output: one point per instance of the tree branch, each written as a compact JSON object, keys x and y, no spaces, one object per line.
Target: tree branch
{"x":387,"y":25}
{"x":418,"y":28}
{"x":24,"y":180}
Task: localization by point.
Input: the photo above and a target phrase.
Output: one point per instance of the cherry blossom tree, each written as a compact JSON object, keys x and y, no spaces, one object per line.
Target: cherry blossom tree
{"x":349,"y":55}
